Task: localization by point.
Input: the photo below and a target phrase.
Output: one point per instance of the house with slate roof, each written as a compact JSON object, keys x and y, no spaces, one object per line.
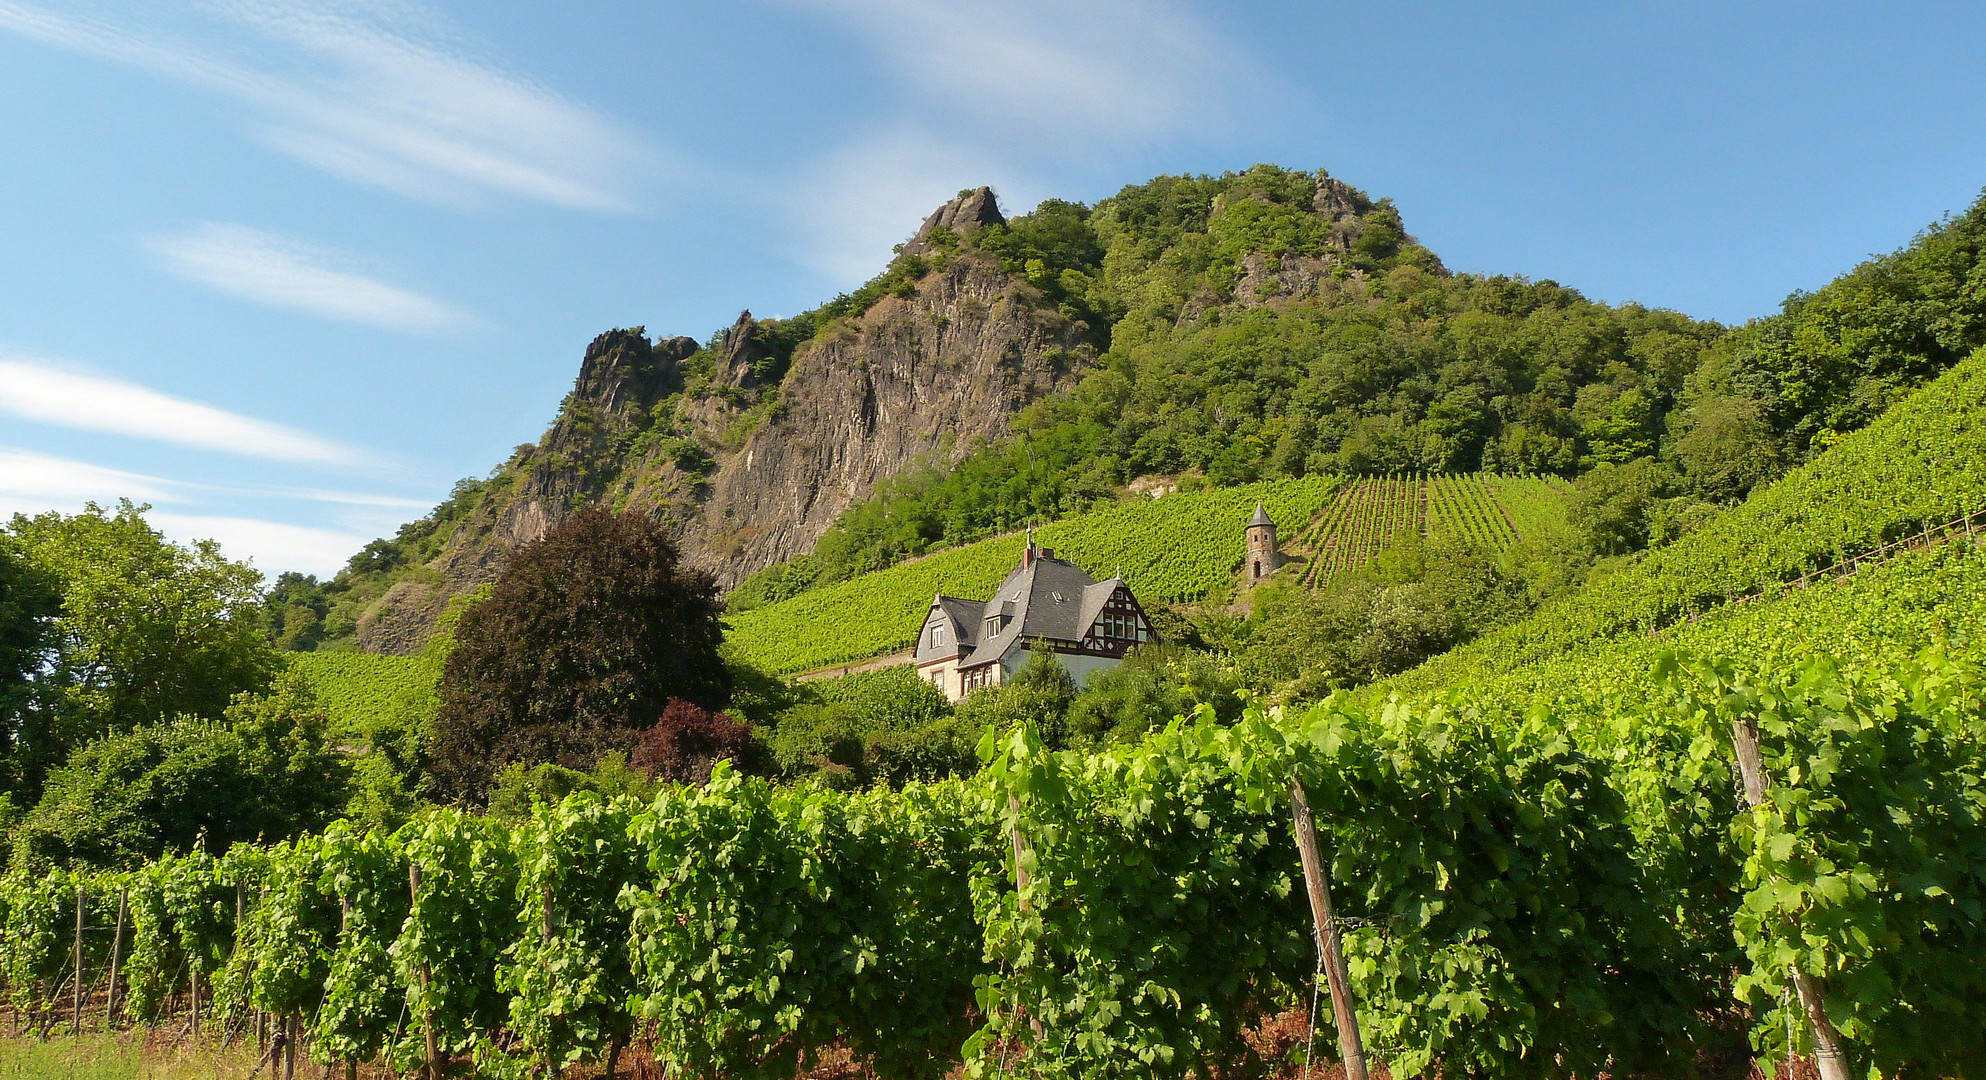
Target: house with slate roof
{"x":1046,"y":604}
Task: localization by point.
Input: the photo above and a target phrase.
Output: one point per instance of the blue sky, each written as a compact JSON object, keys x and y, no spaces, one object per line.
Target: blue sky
{"x":286,"y":270}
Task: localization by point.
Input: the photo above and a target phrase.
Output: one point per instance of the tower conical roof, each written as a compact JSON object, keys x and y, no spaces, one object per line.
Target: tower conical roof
{"x":1261,"y":517}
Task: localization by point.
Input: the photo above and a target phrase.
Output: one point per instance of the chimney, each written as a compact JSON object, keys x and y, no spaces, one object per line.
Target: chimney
{"x":1028,"y":552}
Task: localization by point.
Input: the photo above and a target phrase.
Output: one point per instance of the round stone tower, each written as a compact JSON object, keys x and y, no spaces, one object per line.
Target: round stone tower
{"x":1263,"y":558}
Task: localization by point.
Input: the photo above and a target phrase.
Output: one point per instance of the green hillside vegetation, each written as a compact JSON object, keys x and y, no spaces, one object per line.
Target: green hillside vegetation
{"x":1479,"y":511}
{"x":1387,"y":364}
{"x":1249,"y":329}
{"x":1396,"y":366}
{"x":1534,"y":506}
{"x":1184,"y":547}
{"x":1922,"y":464}
{"x":356,"y":689}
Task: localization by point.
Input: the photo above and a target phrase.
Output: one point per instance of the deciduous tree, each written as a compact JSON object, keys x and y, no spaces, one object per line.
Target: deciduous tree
{"x":584,"y":640}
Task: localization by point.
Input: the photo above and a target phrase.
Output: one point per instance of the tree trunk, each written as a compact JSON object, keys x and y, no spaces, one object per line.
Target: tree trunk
{"x":614,"y":1055}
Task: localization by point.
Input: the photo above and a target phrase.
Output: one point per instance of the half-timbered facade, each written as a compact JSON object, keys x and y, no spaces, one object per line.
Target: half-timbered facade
{"x":1047,"y":603}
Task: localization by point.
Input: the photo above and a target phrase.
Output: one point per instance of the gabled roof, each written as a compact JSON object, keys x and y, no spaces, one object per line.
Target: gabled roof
{"x":1049,"y":598}
{"x":1094,"y":598}
{"x":964,"y":617}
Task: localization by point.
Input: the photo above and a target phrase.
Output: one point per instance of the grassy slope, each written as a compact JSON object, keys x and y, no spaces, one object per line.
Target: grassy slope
{"x":357,"y":688}
{"x":1923,"y":462}
{"x":1183,"y":547}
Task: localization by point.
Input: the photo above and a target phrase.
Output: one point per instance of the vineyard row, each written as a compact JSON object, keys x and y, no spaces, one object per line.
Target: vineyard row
{"x":1524,"y":892}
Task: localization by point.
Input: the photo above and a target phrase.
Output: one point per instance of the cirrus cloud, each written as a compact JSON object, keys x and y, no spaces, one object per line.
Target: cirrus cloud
{"x":283,"y":272}
{"x":378,"y":94}
{"x":61,"y":397}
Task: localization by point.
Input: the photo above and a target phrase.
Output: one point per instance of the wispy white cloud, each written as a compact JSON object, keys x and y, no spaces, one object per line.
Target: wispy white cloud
{"x":1039,"y":87}
{"x":272,"y":546}
{"x":872,"y":193}
{"x":45,"y":393}
{"x":31,"y":482}
{"x":339,"y":498}
{"x":378,"y":94}
{"x":1098,"y":71}
{"x":287,"y":273}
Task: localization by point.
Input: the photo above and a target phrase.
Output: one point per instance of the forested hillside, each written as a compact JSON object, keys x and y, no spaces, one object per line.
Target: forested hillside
{"x":1253,"y":325}
{"x":1247,"y":346}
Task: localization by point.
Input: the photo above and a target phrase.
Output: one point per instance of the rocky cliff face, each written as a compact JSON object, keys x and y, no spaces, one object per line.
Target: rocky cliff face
{"x":752,"y":455}
{"x":926,"y":375}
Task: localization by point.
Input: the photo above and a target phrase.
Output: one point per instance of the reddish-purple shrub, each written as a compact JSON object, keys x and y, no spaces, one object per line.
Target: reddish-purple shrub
{"x":689,"y":741}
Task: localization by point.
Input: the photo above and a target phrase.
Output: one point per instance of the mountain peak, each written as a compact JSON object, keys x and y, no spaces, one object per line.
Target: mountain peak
{"x":971,"y":209}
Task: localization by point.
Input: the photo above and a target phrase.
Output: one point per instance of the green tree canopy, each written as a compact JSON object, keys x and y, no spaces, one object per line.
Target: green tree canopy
{"x":147,"y":629}
{"x":262,"y":772}
{"x":28,"y":607}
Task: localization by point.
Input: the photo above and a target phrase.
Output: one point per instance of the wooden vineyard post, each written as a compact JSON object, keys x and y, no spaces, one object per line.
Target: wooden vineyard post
{"x":79,"y":960}
{"x":290,"y":1026}
{"x":542,"y":1068}
{"x":261,"y":1015}
{"x":1020,"y":888}
{"x":1316,"y":878}
{"x":427,"y":1006}
{"x":116,"y":955}
{"x":1827,"y":1041}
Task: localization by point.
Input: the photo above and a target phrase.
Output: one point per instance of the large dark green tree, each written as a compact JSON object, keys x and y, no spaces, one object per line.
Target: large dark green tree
{"x":586,"y":638}
{"x":145,"y":630}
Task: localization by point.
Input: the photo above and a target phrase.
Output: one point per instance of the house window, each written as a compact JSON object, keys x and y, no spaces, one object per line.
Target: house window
{"x":1121,"y":626}
{"x":937,"y":634}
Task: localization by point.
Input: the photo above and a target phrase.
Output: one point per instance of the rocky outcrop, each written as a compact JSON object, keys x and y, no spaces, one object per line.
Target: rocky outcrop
{"x":962,"y":215}
{"x":402,"y":619}
{"x":751,"y":455}
{"x":919,"y":377}
{"x":740,"y":355}
{"x":751,"y":448}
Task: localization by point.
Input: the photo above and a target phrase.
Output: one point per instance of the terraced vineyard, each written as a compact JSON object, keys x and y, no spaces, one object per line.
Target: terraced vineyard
{"x":1184,"y":547}
{"x":1534,"y":505}
{"x":1482,"y":508}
